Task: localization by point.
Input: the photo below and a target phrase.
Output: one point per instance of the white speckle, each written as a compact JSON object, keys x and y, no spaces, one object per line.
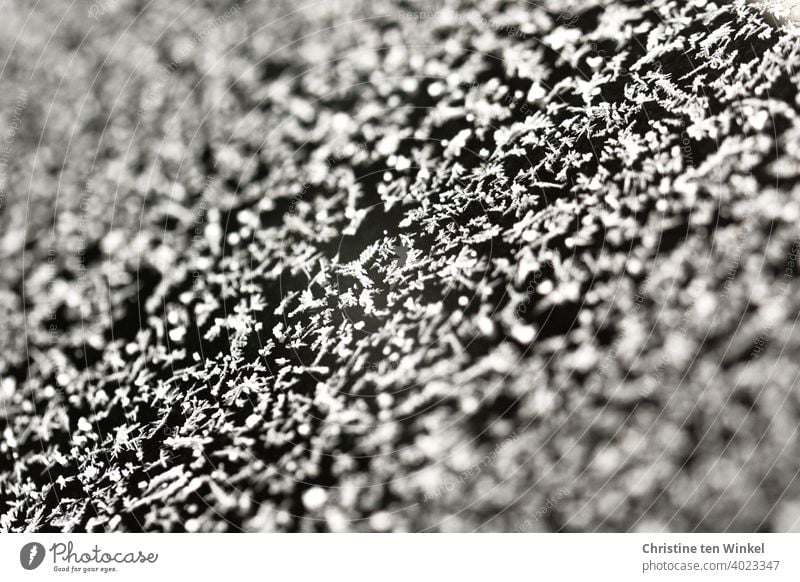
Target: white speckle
{"x":177,"y":334}
{"x":385,"y":400}
{"x":486,"y":326}
{"x":402,"y":163}
{"x":524,"y":334}
{"x":388,"y":145}
{"x":435,"y":89}
{"x":759,"y":120}
{"x":409,"y":85}
{"x":594,"y":62}
{"x":381,"y":521}
{"x":458,"y":142}
{"x":469,"y":404}
{"x":315,"y":498}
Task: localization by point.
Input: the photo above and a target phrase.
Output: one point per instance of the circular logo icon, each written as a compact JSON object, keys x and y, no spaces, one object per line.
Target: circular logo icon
{"x":31,"y":555}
